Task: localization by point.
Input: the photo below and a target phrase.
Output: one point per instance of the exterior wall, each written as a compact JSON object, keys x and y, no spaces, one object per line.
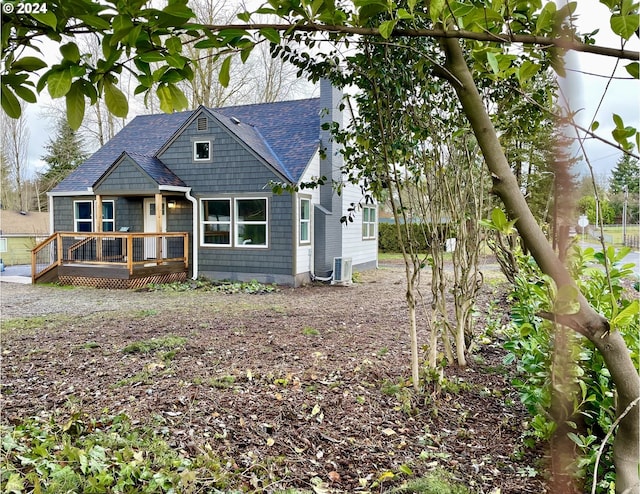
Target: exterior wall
{"x":126,"y":178}
{"x":127,"y":210}
{"x":234,"y":172}
{"x":304,"y":253}
{"x":364,"y":253}
{"x":19,"y":248}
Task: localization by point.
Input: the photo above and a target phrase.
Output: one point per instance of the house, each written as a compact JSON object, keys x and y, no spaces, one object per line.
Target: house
{"x":193,"y":190}
{"x":20,"y":231}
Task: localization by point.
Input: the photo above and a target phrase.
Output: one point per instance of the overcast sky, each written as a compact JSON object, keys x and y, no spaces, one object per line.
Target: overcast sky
{"x":584,"y":91}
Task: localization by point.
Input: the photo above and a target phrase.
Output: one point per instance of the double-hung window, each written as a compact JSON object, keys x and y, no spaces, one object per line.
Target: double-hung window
{"x":305,"y":221}
{"x":216,"y":222}
{"x":83,"y":216}
{"x":251,"y":222}
{"x":108,"y":216}
{"x":369,"y":222}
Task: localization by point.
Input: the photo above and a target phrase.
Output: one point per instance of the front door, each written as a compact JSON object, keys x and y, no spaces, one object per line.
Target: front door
{"x":150,"y":243}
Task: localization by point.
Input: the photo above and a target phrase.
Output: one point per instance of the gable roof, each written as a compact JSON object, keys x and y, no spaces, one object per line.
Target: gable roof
{"x":284,"y":134}
{"x":149,"y":165}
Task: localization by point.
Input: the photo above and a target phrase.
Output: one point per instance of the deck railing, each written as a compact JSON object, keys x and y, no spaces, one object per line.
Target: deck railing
{"x":109,"y":249}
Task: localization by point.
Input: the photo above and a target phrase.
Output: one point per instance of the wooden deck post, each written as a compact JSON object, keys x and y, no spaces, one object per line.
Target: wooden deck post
{"x":98,"y":216}
{"x":130,"y":253}
{"x":159,"y":228}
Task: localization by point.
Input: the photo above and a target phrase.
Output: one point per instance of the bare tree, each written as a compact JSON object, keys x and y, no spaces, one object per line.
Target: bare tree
{"x":15,"y":143}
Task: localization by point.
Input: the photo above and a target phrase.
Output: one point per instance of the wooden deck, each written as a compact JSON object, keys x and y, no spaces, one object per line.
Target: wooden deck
{"x":111,"y":260}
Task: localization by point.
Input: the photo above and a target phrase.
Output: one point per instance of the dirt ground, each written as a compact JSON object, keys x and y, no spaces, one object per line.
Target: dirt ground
{"x":314,"y":376}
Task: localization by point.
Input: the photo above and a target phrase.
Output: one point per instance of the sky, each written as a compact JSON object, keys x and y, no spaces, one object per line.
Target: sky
{"x":583,"y":91}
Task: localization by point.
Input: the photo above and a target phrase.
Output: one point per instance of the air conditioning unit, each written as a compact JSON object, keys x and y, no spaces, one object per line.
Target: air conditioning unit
{"x":342,"y":271}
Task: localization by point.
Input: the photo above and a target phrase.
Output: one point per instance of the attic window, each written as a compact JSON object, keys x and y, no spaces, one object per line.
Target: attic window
{"x":202,"y":123}
{"x":202,"y":151}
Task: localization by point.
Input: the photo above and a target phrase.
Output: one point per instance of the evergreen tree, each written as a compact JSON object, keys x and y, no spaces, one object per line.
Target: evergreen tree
{"x":64,"y":153}
{"x":626,"y":173}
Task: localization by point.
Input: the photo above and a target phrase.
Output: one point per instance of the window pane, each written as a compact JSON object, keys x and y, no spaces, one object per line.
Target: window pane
{"x":365,"y":215}
{"x":304,"y":232}
{"x":217,"y":234}
{"x":252,"y":235}
{"x":107,"y":210}
{"x":372,"y":215}
{"x":83,"y":226}
{"x":202,"y":150}
{"x":217,"y":211}
{"x":305,"y":209}
{"x":83,"y":211}
{"x":252,"y":210}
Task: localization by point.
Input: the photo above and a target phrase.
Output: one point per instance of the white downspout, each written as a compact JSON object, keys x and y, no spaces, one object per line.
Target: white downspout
{"x":195,"y":242}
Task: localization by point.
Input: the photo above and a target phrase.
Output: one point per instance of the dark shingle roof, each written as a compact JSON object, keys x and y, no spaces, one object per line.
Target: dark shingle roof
{"x":284,"y":134}
{"x":157,"y":170}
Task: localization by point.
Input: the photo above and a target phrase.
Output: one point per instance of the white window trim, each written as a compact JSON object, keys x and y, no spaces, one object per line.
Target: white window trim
{"x":195,"y":145}
{"x":369,"y":223}
{"x":112,"y":220}
{"x":302,"y":221}
{"x":204,"y":222}
{"x":75,"y":218}
{"x":236,"y":223}
{"x":93,"y":215}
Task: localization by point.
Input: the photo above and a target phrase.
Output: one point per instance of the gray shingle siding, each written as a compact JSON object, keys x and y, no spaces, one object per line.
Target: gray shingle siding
{"x":127,"y":177}
{"x":233,"y":172}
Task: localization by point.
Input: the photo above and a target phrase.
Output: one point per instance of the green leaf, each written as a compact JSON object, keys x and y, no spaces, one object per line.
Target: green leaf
{"x":595,"y":125}
{"x":29,"y":64}
{"x":626,"y":316}
{"x":59,"y":83}
{"x":527,"y":70}
{"x":566,"y":301}
{"x":14,"y":484}
{"x":546,"y":19}
{"x":224,"y":76}
{"x":164,"y":95}
{"x":70,"y":52}
{"x":387,"y":27}
{"x":271,"y":35}
{"x":75,"y":105}
{"x":436,"y":9}
{"x":178,"y":98}
{"x":115,"y":99}
{"x":633,"y":69}
{"x":10,"y":103}
{"x":151,"y":56}
{"x":94,"y":21}
{"x":25,"y":93}
{"x":173,"y":44}
{"x":493,"y":62}
{"x":498,"y":218}
{"x":47,"y":18}
{"x":625,"y":25}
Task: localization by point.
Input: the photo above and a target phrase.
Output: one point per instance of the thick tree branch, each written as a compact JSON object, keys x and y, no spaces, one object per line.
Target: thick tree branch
{"x":541,"y":41}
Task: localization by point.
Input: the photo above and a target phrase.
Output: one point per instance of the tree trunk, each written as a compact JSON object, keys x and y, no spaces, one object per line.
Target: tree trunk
{"x":586,"y":321}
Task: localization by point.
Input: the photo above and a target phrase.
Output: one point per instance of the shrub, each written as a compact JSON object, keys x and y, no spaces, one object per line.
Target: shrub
{"x":531,"y":343}
{"x":388,"y":237}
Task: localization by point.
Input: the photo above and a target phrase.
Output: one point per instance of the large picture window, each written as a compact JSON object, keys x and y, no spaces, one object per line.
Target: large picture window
{"x":251,"y":222}
{"x":216,"y":222}
{"x":83,"y":216}
{"x":305,"y":221}
{"x":369,"y":222}
{"x":235,"y":222}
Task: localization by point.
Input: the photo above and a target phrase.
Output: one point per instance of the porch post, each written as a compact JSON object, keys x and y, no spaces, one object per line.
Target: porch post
{"x":98,"y":215}
{"x":158,"y":228}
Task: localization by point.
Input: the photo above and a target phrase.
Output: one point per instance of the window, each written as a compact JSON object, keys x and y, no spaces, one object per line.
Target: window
{"x":83,"y":216}
{"x":108,"y":217}
{"x":202,"y":150}
{"x":368,"y":222}
{"x":305,"y":221}
{"x":216,"y":222}
{"x":251,"y":222}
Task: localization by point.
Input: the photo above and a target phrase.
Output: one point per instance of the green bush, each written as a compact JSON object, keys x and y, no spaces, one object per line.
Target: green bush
{"x":388,"y":237}
{"x":584,"y":379}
